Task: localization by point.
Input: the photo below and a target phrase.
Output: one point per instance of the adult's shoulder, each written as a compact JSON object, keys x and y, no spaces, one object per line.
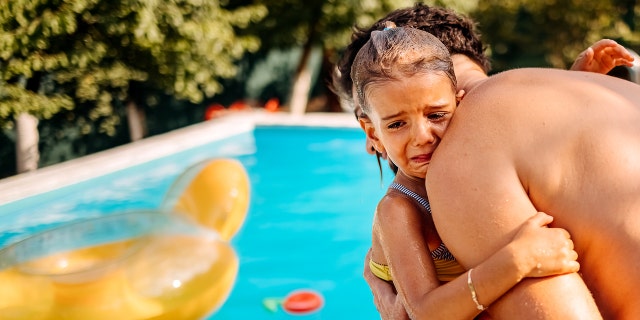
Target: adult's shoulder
{"x":487,"y":122}
{"x":518,"y":75}
{"x":518,"y":78}
{"x":505,"y":92}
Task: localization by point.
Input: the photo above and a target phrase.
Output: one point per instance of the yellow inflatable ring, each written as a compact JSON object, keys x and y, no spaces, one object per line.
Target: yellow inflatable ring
{"x":145,"y":264}
{"x":214,"y":193}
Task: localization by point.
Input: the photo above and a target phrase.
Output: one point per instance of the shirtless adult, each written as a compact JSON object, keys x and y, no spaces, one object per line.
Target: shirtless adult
{"x":565,"y":143}
{"x":459,"y":35}
{"x":548,"y":298}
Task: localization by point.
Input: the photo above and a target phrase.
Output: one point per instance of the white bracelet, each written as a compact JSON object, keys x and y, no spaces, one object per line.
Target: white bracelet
{"x":474,"y":296}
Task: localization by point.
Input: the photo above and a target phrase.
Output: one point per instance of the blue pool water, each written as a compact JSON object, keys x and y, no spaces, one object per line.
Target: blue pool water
{"x":313,"y":194}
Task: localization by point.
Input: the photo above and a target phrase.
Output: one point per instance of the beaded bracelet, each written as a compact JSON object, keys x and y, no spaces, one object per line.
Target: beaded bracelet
{"x":474,"y":295}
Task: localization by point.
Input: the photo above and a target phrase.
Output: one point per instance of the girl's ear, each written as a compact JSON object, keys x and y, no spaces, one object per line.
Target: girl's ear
{"x":370,"y":131}
{"x":459,"y":95}
{"x":363,"y":121}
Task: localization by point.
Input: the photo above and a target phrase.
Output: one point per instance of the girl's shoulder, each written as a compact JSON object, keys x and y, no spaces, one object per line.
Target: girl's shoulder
{"x":397,"y":206}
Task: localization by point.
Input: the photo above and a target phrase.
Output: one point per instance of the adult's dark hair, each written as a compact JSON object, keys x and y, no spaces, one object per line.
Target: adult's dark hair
{"x":457,"y":32}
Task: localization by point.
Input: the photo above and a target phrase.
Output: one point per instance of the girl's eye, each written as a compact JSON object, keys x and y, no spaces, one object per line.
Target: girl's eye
{"x":395,"y":125}
{"x":436,"y":116}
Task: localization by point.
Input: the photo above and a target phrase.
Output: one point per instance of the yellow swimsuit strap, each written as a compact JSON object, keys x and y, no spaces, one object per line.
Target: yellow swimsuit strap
{"x":380,"y":270}
{"x":446,"y":270}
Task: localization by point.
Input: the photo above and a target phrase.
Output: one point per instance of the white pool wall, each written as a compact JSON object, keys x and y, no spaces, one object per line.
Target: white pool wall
{"x":97,"y":164}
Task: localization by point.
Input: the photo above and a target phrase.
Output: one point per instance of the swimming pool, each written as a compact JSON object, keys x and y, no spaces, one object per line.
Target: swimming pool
{"x":309,"y":222}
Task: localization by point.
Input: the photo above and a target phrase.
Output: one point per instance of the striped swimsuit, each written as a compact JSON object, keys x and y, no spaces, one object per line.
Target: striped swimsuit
{"x":447,"y":268}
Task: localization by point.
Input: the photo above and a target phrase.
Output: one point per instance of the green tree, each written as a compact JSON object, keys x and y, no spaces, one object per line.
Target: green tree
{"x":59,"y":55}
{"x":552,"y":32}
{"x":322,"y":24}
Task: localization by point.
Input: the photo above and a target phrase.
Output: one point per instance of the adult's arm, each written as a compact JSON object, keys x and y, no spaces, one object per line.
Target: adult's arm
{"x":479,"y":203}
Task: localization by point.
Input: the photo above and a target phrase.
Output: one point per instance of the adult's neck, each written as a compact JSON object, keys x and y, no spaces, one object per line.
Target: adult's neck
{"x":468,"y":73}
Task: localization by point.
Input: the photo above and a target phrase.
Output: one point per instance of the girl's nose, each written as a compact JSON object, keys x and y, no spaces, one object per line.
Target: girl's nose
{"x":423,"y":133}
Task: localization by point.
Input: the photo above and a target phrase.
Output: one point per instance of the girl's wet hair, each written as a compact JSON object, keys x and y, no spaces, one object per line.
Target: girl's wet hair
{"x":398,"y":52}
{"x":457,"y":32}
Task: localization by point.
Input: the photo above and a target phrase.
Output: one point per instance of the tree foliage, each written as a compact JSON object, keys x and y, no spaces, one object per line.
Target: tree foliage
{"x":62,"y":54}
{"x":315,"y":25}
{"x":327,"y":23}
{"x":552,"y":32}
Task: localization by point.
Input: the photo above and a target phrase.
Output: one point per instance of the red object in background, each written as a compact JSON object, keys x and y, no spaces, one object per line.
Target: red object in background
{"x":238,"y":105}
{"x":213,"y":111}
{"x":272,"y":105}
{"x":301,"y":302}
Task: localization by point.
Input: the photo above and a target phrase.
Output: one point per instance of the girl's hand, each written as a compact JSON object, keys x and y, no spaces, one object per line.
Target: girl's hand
{"x":544,"y":251}
{"x":603,"y":56}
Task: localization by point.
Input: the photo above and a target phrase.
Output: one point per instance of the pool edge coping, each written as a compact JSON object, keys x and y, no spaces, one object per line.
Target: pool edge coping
{"x":80,"y":169}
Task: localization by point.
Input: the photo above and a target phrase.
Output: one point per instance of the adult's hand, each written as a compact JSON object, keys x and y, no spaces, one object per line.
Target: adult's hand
{"x":603,"y":56}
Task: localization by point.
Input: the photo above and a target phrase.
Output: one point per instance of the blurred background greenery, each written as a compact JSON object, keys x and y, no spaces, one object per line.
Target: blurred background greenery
{"x":88,"y":75}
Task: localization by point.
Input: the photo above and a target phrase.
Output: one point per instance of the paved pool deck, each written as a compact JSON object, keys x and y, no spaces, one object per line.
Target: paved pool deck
{"x":80,"y":169}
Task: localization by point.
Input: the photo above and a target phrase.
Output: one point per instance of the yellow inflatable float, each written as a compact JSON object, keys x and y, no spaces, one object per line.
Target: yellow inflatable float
{"x":170,"y":263}
{"x":215,"y":194}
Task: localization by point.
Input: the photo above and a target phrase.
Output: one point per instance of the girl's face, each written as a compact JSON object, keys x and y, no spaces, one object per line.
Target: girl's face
{"x":409,"y":117}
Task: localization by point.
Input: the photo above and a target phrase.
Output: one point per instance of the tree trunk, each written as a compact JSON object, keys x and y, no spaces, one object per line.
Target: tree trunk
{"x":136,"y":120}
{"x":301,"y":83}
{"x":27,"y":137}
{"x":333,"y":102}
{"x":629,"y":15}
{"x":302,"y":78}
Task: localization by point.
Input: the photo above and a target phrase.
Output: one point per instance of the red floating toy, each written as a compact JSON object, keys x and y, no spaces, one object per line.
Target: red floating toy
{"x":302,"y":302}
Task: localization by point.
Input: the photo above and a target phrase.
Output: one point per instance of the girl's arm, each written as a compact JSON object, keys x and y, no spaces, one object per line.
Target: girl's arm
{"x":535,"y":251}
{"x":385,"y":298}
{"x":401,"y":229}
